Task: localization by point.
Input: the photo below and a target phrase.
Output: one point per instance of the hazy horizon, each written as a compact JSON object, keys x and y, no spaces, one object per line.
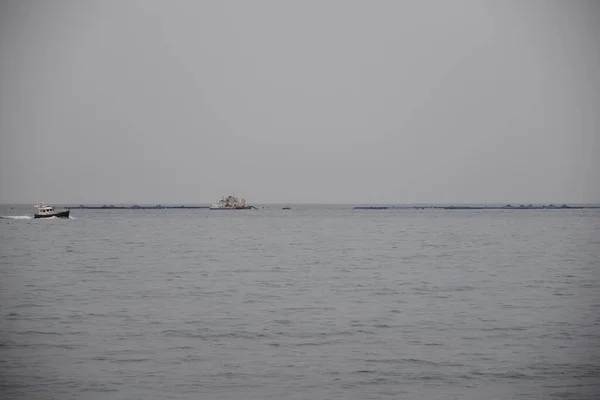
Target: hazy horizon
{"x":390,"y":102}
{"x":309,"y":204}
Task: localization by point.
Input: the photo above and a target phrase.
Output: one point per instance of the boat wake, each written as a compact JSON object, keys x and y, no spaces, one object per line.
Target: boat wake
{"x":29,"y":217}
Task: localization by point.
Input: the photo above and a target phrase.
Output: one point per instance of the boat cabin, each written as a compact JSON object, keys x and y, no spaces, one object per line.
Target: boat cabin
{"x":44,"y":209}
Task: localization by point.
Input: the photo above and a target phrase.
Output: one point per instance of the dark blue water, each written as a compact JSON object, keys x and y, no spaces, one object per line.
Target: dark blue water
{"x":313,"y":303}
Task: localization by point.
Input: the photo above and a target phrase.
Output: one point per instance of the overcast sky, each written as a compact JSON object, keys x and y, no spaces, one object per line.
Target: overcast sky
{"x":299,"y":101}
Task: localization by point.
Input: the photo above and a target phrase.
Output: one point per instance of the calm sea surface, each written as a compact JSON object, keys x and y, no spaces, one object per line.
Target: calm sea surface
{"x":319,"y":302}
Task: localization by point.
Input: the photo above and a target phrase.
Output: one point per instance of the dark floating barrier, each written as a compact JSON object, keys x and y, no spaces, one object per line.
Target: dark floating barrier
{"x":521,"y":207}
{"x":506,"y":207}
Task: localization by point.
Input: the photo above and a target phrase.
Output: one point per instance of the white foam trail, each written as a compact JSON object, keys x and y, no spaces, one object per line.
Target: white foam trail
{"x":17,"y":217}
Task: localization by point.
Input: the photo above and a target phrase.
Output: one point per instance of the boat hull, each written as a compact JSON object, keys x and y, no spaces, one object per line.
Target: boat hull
{"x":59,"y":214}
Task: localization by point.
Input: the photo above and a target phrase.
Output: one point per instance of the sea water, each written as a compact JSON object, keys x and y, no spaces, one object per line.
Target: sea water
{"x":316,"y":302}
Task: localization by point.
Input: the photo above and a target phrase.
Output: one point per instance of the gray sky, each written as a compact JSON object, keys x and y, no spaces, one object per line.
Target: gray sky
{"x":299,"y":101}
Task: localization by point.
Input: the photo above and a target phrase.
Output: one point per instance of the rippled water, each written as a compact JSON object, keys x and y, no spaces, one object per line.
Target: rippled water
{"x":313,"y":303}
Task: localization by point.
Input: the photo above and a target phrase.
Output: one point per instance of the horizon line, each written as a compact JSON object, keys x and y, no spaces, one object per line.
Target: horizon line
{"x":307,"y":203}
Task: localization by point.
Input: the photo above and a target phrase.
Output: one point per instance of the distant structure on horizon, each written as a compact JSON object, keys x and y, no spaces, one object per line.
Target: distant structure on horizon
{"x":231,"y":203}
